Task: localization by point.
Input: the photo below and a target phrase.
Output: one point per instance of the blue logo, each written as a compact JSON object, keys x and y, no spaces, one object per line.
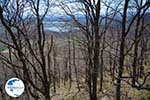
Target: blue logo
{"x":14,"y":87}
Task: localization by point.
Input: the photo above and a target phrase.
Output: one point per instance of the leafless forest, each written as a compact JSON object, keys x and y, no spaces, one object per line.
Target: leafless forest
{"x":76,"y":49}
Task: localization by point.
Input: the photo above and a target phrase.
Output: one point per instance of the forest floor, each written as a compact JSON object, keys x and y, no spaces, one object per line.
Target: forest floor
{"x":108,"y":92}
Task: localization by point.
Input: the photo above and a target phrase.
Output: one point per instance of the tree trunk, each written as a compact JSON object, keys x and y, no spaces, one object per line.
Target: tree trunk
{"x":122,"y":56}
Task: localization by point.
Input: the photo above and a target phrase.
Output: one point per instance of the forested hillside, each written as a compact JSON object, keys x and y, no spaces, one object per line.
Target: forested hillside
{"x":76,"y":49}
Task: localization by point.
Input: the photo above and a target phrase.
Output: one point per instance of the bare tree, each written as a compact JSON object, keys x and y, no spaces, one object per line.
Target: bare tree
{"x":125,"y":30}
{"x":92,"y":44}
{"x":23,"y":22}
